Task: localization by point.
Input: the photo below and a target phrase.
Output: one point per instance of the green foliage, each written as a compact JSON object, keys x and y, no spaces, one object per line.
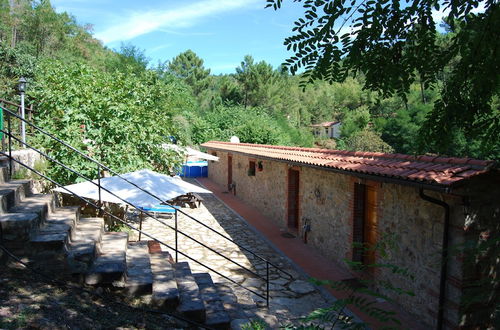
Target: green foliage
{"x":118,"y":119}
{"x":129,"y":59}
{"x":326,"y":143}
{"x":354,"y":122}
{"x":258,"y":81}
{"x":254,"y":325}
{"x":14,"y":63}
{"x":394,"y":46}
{"x":189,"y":67}
{"x":367,"y":140}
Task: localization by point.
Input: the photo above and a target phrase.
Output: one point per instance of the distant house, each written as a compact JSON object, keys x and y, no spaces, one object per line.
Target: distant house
{"x":332,"y":199}
{"x":328,"y":129}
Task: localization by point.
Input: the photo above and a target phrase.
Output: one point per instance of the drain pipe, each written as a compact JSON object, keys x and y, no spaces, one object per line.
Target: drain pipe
{"x":444,"y":255}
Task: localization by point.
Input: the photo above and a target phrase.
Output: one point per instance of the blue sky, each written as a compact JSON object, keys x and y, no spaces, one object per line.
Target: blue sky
{"x":221,"y":32}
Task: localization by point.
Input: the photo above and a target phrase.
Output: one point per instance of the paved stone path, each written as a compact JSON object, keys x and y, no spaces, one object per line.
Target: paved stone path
{"x":290,"y":298}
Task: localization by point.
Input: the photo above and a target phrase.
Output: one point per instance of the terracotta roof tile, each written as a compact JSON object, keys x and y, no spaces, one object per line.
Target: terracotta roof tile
{"x":442,"y":171}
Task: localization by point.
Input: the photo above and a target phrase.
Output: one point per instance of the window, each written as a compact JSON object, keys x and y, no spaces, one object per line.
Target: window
{"x":213,"y":153}
{"x":364,"y":231}
{"x":251,"y":168}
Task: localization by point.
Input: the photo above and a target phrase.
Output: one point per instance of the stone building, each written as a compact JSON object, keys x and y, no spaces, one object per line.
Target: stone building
{"x":441,"y":213}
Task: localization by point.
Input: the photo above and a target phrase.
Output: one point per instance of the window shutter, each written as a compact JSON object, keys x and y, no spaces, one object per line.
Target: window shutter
{"x":358,"y":221}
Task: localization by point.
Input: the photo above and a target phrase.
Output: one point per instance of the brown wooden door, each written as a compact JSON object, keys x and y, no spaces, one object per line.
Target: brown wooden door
{"x":293,"y":200}
{"x":229,"y":170}
{"x":370,"y":224}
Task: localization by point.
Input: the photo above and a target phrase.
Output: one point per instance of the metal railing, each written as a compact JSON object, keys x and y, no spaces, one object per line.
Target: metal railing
{"x":98,"y":206}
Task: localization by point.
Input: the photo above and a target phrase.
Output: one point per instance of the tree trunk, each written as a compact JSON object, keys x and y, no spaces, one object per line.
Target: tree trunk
{"x":12,"y":5}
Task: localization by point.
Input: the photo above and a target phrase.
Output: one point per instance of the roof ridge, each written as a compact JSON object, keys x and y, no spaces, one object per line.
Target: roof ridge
{"x":370,"y":154}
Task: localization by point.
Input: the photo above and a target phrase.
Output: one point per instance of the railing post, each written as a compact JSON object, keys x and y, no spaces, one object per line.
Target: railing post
{"x":176,"y":241}
{"x":99,"y":182}
{"x":10,"y":145}
{"x":99,"y":187}
{"x":267,"y":283}
{"x":141,"y":216}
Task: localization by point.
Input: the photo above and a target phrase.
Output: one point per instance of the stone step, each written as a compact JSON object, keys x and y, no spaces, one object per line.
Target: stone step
{"x":18,"y":226}
{"x":89,"y":229}
{"x":4,"y":173}
{"x":138,"y":278}
{"x":42,"y":204}
{"x":85,"y":243}
{"x":190,"y":303}
{"x":12,"y":193}
{"x":68,"y":215}
{"x":50,"y":237}
{"x":165,"y":290}
{"x":216,"y":316}
{"x":110,"y":265}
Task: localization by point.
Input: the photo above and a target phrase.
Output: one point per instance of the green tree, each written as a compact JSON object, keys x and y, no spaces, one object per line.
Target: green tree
{"x":368,"y":140}
{"x":189,"y":66}
{"x":354,"y":121}
{"x":395,"y":45}
{"x":258,"y":81}
{"x":129,"y":59}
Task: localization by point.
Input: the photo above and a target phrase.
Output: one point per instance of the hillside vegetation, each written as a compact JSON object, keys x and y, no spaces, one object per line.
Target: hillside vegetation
{"x":118,"y":107}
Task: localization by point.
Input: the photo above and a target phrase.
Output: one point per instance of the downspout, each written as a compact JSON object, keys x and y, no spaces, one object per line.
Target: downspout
{"x":444,"y":256}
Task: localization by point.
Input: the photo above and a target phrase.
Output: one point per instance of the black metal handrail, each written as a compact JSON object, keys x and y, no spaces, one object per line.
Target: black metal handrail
{"x":104,"y":167}
{"x":268,"y":263}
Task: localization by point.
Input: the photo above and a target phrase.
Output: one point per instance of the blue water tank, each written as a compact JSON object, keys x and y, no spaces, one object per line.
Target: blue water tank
{"x":194,"y":169}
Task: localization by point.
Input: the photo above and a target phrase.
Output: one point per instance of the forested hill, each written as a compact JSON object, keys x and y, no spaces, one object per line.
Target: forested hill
{"x":117,"y":103}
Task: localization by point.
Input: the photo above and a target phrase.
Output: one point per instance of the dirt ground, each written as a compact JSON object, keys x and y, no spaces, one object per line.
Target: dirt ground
{"x":30,"y":301}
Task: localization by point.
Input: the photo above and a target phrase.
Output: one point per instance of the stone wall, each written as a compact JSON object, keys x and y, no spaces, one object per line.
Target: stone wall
{"x":25,"y":156}
{"x":325,"y":206}
{"x":264,"y":191}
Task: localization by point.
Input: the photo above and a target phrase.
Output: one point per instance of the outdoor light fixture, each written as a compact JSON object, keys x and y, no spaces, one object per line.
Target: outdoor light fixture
{"x":21,"y":87}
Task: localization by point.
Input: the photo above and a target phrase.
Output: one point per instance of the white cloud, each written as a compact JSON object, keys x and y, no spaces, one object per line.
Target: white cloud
{"x":139,"y":23}
{"x":158,"y":48}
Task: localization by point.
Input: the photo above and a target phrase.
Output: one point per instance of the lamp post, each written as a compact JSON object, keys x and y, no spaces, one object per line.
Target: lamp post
{"x":21,"y":87}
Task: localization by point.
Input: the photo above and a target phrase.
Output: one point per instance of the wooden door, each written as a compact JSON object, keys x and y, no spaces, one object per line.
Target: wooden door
{"x":229,"y":170}
{"x":293,"y":200}
{"x":370,"y":224}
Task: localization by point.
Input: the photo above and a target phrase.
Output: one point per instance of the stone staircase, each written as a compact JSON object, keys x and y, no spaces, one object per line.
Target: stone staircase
{"x":61,"y":241}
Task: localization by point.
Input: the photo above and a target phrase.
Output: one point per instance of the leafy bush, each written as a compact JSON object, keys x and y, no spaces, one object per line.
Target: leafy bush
{"x":120,"y":120}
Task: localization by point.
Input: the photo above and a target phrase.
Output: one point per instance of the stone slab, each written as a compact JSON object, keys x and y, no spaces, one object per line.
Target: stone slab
{"x":165,"y":290}
{"x":18,"y":226}
{"x":139,"y":278}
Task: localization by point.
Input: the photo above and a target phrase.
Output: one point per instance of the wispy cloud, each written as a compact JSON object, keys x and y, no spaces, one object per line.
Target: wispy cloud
{"x":157,"y":48}
{"x":139,"y":23}
{"x":178,"y":33}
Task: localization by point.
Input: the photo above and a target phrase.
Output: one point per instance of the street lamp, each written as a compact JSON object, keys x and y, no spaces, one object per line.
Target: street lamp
{"x":21,"y":87}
